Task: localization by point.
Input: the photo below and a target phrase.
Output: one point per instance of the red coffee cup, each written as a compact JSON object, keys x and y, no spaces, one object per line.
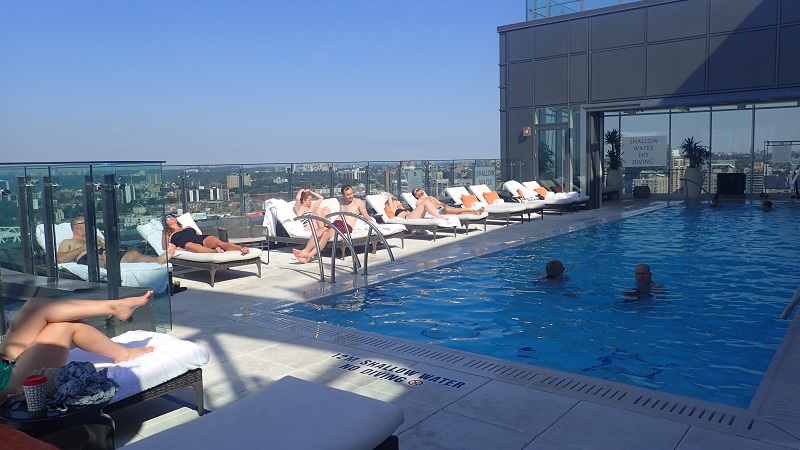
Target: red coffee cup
{"x":34,"y":380}
{"x":35,"y":387}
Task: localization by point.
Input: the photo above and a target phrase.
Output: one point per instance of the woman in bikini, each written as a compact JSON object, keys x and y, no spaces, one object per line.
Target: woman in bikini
{"x":188,"y":239}
{"x":44,"y":330}
{"x":304,"y":205}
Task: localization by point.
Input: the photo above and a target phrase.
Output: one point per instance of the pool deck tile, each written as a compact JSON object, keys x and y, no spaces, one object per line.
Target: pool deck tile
{"x":499,"y":406}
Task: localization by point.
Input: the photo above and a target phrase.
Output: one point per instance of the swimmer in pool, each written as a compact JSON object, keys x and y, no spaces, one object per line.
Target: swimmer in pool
{"x":645,"y":287}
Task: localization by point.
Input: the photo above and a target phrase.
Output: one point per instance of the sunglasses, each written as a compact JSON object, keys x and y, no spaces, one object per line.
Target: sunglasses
{"x":169,"y":216}
{"x":101,"y":250}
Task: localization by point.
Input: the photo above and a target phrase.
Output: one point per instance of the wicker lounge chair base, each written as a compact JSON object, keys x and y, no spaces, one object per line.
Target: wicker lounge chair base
{"x":192,"y":378}
{"x":225,"y":262}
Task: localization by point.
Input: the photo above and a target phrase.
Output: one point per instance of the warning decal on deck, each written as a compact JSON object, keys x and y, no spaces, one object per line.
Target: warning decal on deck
{"x":390,"y":372}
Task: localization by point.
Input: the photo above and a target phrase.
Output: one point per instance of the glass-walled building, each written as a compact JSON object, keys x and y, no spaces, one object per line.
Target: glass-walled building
{"x":726,"y":74}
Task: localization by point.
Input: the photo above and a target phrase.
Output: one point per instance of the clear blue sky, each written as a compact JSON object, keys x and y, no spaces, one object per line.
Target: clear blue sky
{"x":204,"y":82}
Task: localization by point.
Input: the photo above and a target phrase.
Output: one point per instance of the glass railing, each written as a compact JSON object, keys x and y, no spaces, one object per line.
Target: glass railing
{"x":41,"y":207}
{"x":210,"y":192}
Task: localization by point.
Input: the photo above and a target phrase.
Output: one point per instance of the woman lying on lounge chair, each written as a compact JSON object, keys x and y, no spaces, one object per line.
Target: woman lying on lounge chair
{"x":303,"y":206}
{"x":395,"y":209}
{"x":44,"y":330}
{"x":187,"y":238}
{"x":421,"y":197}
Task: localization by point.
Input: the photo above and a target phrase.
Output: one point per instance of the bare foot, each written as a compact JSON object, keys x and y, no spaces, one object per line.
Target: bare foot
{"x":300,"y":254}
{"x":481,"y":209}
{"x":220,"y":250}
{"x":302,"y":260}
{"x":133,"y":353}
{"x":245,"y":250}
{"x":124,"y":307}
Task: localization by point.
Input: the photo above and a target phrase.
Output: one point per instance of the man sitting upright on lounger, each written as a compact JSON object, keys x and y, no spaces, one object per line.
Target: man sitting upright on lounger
{"x":74,"y":248}
{"x":348,"y":203}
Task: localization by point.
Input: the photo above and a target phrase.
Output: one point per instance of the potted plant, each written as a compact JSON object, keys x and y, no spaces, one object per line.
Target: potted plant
{"x":696,"y":156}
{"x":613,"y":138}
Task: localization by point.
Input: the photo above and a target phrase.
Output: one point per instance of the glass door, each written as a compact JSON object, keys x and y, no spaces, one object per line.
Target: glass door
{"x":552,"y":149}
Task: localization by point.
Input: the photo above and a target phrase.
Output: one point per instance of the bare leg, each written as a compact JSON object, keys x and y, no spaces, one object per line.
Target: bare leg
{"x":306,"y":254}
{"x":37,"y":313}
{"x":198,"y":248}
{"x":51,"y":349}
{"x":215,"y":243}
{"x":451,"y":210}
{"x":425,"y":207}
{"x":136,"y":257}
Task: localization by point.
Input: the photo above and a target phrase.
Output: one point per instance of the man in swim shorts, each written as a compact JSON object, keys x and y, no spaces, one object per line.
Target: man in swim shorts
{"x":441,"y":208}
{"x":74,"y":248}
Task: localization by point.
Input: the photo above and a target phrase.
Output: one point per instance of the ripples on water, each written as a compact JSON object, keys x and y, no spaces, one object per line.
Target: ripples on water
{"x":711,"y":336}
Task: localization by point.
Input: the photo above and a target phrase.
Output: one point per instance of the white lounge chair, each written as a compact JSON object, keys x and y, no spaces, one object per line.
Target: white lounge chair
{"x":280,"y":226}
{"x":482,"y":191}
{"x":153,"y":233}
{"x":376,"y":203}
{"x":289,"y":414}
{"x":146,"y":274}
{"x":466,"y":220}
{"x":498,"y":212}
{"x":553,"y":200}
{"x":574,"y":193}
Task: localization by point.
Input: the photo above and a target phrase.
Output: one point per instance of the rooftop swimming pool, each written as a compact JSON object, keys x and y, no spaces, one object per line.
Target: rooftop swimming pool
{"x":710,"y":335}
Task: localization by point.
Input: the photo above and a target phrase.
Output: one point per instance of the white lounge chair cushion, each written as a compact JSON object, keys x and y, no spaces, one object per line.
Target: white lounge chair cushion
{"x":172,"y":357}
{"x":283,"y":212}
{"x":228,"y":256}
{"x":289,"y":414}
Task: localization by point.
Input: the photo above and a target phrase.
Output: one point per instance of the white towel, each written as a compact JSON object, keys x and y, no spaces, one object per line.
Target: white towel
{"x":449,"y":221}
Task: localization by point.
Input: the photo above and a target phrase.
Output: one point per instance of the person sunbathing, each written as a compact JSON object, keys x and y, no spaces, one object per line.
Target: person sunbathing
{"x":348,"y":203}
{"x":43,"y":331}
{"x":74,"y":248}
{"x":187,"y":238}
{"x":304,"y":205}
{"x":420,"y":195}
{"x":397,"y":210}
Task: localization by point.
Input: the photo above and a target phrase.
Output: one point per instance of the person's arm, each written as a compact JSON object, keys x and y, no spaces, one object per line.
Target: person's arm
{"x":67,"y":253}
{"x":297,"y":202}
{"x":317,"y":202}
{"x":362,"y":209}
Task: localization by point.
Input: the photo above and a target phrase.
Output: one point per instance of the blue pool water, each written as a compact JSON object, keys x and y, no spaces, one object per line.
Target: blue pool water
{"x":710,"y":336}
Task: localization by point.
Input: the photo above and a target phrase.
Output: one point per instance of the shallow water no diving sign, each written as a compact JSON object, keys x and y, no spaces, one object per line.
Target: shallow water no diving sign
{"x":390,"y":372}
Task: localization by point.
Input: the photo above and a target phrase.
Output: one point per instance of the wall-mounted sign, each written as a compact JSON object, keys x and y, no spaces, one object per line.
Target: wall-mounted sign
{"x":645,"y":151}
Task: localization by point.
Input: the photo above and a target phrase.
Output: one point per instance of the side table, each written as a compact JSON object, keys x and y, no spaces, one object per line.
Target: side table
{"x":99,"y":425}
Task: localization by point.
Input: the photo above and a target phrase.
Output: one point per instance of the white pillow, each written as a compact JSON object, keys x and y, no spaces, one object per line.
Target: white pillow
{"x":153,"y":233}
{"x":186,"y":220}
{"x":63,"y":231}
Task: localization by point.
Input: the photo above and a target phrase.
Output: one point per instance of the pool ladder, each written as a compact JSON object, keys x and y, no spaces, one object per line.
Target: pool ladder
{"x":792,"y":304}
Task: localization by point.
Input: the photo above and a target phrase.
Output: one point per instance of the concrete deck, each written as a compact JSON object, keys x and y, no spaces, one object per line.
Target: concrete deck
{"x":469,"y":401}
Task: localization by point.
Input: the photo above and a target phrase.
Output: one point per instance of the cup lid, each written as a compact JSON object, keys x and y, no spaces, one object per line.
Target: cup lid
{"x":33,"y":380}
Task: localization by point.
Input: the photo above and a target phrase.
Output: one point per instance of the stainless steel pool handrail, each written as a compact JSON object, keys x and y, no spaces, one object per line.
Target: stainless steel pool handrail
{"x":792,"y":304}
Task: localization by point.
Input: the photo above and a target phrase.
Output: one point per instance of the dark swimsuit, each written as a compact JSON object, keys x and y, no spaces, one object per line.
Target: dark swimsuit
{"x":185,"y":236}
{"x":399,"y":210}
{"x":6,"y":365}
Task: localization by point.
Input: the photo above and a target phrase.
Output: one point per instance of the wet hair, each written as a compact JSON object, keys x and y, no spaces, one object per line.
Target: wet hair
{"x":554,"y":268}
